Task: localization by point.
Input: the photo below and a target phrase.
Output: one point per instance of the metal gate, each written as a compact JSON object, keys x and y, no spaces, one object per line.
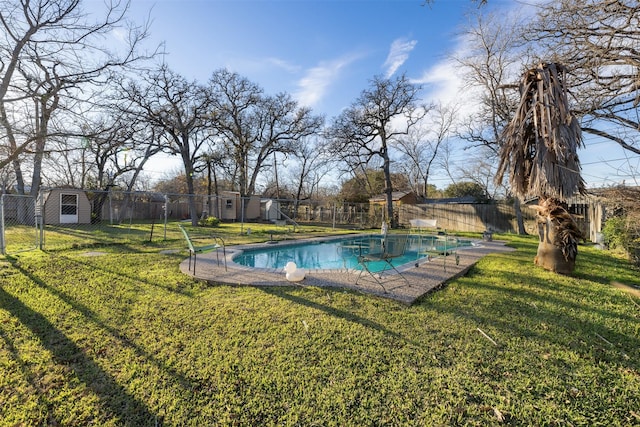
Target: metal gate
{"x":20,"y":224}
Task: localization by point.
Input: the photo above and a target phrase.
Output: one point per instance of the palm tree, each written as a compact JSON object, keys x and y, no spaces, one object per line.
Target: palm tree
{"x":539,"y":154}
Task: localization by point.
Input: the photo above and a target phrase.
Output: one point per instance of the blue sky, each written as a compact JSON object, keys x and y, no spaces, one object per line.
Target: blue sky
{"x":324,"y":52}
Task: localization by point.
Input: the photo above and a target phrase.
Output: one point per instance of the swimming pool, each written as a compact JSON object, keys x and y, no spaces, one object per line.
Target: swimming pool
{"x":342,"y":253}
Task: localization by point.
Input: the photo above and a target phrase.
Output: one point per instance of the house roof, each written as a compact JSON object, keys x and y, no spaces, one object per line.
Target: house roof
{"x":396,"y":195}
{"x":460,"y":200}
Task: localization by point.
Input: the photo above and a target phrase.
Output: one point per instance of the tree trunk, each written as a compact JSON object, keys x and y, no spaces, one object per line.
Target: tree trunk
{"x":97,"y":204}
{"x":550,"y":255}
{"x":517,"y":207}
{"x":216,"y":211}
{"x":189,"y":172}
{"x":192,"y":198}
{"x":388,"y":190}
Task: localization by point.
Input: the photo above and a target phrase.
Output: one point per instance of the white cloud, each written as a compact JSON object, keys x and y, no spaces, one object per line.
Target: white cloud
{"x":120,"y":35}
{"x":398,"y":55}
{"x":443,"y":83}
{"x":317,"y":80}
{"x":284,"y":65}
{"x":443,"y":80}
{"x":252,"y":65}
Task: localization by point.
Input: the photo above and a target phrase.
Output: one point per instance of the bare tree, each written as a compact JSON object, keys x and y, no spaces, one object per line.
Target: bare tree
{"x":420,"y":147}
{"x":480,"y":2}
{"x":118,"y":147}
{"x":494,"y":54}
{"x":598,"y":40}
{"x":379,"y":117}
{"x":254,"y":126}
{"x":445,"y":161}
{"x":490,"y":66}
{"x":51,"y":52}
{"x":7,"y":179}
{"x":67,"y":163}
{"x":111,"y":151}
{"x":312,"y":165}
{"x":480,"y":168}
{"x":179,"y":111}
{"x":213,"y":160}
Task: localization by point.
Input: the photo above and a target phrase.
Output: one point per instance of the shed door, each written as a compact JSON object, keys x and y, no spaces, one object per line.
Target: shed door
{"x":68,"y":208}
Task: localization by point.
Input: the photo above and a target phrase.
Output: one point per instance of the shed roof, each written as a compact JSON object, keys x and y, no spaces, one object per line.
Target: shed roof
{"x":396,"y":195}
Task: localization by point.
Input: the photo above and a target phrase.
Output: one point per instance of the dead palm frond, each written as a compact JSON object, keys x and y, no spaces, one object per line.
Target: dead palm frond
{"x":539,"y":145}
{"x":568,"y":233}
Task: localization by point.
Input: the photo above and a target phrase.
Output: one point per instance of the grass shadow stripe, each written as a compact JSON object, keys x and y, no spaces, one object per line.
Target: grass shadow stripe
{"x":119,"y":404}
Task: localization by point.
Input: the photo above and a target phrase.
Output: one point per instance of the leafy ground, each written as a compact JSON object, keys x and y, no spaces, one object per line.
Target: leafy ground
{"x":125,"y":339}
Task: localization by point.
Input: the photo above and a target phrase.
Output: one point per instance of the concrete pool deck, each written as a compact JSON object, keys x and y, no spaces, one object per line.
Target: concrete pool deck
{"x":427,"y":276}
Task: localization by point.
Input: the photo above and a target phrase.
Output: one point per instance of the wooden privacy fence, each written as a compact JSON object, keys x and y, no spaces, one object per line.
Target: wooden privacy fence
{"x":590,"y":218}
{"x":500,"y":217}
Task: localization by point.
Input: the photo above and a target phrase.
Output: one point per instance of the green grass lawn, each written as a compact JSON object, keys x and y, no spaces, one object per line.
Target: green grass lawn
{"x":72,"y":236}
{"x":126,"y":339}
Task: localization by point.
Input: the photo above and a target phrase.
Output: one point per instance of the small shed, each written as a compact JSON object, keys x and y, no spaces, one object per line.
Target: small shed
{"x":270,"y":210}
{"x":228,"y":206}
{"x":66,"y":206}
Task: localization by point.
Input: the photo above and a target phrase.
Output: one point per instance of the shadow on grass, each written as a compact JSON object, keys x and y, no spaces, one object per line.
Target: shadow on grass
{"x":50,"y":334}
{"x":90,"y":235}
{"x":125,"y":250}
{"x":515,"y":299}
{"x":534,"y":306}
{"x":21,"y":363}
{"x":113,"y":397}
{"x":601,"y":261}
{"x":282,"y":292}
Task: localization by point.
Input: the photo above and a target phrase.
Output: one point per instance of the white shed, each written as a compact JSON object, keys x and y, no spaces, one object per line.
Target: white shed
{"x":66,"y":206}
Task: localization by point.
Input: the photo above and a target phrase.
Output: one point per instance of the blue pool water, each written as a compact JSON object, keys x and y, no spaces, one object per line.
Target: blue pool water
{"x":343,"y":253}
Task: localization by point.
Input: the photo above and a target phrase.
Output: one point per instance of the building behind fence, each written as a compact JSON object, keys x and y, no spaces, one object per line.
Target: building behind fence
{"x":24,"y":219}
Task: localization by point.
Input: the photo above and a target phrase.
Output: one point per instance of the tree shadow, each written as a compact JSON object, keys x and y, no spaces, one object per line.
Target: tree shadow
{"x":622,"y":272}
{"x":282,"y":292}
{"x":114,"y":399}
{"x":85,"y":365}
{"x":582,"y":333}
{"x":125,"y":249}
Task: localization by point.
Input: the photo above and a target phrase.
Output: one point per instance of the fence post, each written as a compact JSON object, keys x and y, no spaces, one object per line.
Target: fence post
{"x":39,"y":202}
{"x":166,"y":213}
{"x":241,"y":215}
{"x":2,"y":244}
{"x":131,"y":209}
{"x":110,"y":207}
{"x":334,"y":216}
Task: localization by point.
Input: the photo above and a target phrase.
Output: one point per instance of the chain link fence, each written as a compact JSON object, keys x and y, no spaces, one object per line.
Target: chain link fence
{"x":19,"y":226}
{"x":66,"y":217}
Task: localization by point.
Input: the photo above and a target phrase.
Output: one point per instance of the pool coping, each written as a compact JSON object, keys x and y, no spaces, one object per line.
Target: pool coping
{"x":427,"y":276}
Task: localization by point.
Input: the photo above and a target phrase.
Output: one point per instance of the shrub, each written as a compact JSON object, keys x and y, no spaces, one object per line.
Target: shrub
{"x":623,"y":232}
{"x":614,"y":231}
{"x":210,"y":221}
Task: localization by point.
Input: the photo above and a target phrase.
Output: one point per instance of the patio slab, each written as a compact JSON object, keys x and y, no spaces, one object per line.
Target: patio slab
{"x":427,"y":276}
